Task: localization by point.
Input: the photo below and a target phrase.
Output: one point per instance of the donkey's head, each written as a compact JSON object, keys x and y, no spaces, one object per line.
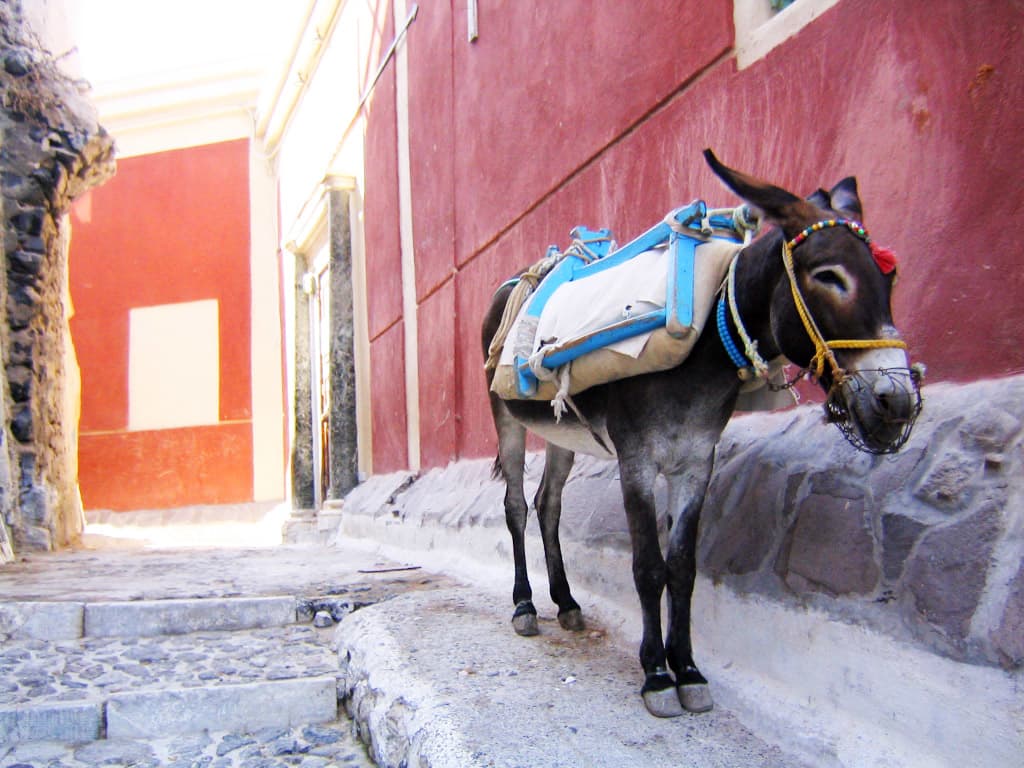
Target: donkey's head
{"x":831,"y":312}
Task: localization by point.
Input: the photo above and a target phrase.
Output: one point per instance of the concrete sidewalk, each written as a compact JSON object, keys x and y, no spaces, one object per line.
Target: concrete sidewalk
{"x":440,"y":679}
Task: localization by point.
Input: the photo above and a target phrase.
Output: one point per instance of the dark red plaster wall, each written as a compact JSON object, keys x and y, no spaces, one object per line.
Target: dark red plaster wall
{"x":547,"y":85}
{"x":380,"y":203}
{"x":438,"y":355}
{"x":387,"y":400}
{"x":924,"y":103}
{"x":430,"y":145}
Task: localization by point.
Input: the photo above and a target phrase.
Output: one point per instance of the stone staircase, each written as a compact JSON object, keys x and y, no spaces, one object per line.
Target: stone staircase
{"x":217,"y":681}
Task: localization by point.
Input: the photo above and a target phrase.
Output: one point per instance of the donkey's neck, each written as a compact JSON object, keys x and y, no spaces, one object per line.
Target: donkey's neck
{"x":758,"y":272}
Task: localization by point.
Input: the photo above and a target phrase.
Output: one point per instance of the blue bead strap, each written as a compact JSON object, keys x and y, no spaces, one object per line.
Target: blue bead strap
{"x":731,"y":348}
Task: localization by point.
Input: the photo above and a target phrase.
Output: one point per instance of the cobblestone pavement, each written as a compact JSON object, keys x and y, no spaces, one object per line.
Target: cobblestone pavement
{"x":36,"y":671}
{"x":311,"y":746}
{"x":41,"y":673}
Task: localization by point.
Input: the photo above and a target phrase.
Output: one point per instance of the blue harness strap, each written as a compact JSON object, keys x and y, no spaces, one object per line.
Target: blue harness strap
{"x":592,"y":251}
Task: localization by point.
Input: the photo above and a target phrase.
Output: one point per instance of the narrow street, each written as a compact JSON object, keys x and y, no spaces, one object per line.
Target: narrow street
{"x":257,"y":656}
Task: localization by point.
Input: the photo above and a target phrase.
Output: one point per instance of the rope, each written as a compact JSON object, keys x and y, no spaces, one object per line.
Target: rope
{"x":823,"y":349}
{"x":749,"y":345}
{"x":525,"y":285}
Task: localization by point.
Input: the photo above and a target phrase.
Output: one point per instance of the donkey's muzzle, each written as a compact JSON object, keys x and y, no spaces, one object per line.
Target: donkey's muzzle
{"x":876,"y":409}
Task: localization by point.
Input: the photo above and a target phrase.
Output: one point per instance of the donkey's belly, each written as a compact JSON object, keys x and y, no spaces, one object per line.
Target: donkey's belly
{"x":574,"y":436}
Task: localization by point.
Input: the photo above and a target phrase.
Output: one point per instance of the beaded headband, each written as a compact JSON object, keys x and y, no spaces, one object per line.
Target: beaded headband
{"x":884,"y":257}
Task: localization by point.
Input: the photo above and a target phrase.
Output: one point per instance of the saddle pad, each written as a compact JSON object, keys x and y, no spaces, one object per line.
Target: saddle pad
{"x":579,"y":308}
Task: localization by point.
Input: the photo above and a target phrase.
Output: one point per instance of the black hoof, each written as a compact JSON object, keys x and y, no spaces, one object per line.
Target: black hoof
{"x":572,"y":620}
{"x":524,"y":620}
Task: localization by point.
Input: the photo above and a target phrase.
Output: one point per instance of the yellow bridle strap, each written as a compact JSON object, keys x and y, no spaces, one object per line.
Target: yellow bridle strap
{"x":823,"y":349}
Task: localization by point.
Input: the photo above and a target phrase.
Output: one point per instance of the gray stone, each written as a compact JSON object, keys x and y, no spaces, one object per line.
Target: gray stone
{"x":25,"y":263}
{"x":899,"y":534}
{"x":947,"y":484}
{"x":37,"y":505}
{"x":34,"y":538}
{"x":320,"y":735}
{"x":21,"y":425}
{"x":988,"y":429}
{"x":43,"y":620}
{"x":893,"y":474}
{"x":173,"y":617}
{"x":740,"y":538}
{"x":17,"y":63}
{"x":831,"y":548}
{"x":19,"y":379}
{"x":115,"y":753}
{"x":323,"y":619}
{"x":1008,"y":638}
{"x":58,"y":721}
{"x":946,"y":575}
{"x":22,"y":344}
{"x":28,"y":221}
{"x":242,"y":707}
{"x":233,"y":741}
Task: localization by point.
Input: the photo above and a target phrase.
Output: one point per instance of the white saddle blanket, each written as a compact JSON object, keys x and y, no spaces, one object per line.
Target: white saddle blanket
{"x":580,"y":307}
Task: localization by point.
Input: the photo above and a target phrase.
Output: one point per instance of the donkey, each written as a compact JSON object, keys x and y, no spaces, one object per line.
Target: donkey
{"x":824,"y":305}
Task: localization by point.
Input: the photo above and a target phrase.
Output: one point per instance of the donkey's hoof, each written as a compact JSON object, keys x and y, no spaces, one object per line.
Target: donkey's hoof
{"x":572,"y":620}
{"x":524,"y":620}
{"x":525,"y":624}
{"x":663,"y":703}
{"x":696,"y":697}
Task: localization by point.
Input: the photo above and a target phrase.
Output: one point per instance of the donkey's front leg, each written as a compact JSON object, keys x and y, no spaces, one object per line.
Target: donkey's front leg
{"x":687,"y":488}
{"x":649,"y":573}
{"x":548,"y":502}
{"x":512,"y":461}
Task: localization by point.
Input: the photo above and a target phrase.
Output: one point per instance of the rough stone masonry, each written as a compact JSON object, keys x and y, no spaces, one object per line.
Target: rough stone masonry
{"x":52,"y":150}
{"x":926,"y":546}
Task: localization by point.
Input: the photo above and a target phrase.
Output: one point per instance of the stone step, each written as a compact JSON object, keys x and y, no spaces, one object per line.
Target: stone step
{"x":309,"y":746}
{"x":148,"y":618}
{"x":57,"y":620}
{"x":138,"y":687}
{"x":66,"y":620}
{"x":158,"y":713}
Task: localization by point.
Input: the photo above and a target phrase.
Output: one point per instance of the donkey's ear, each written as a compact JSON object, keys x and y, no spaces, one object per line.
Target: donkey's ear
{"x":845,"y":198}
{"x":820,"y":198}
{"x":784,"y":208}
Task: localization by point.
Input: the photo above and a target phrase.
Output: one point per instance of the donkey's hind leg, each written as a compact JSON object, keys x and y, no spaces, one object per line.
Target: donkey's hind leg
{"x":548,"y":501}
{"x":511,"y":462}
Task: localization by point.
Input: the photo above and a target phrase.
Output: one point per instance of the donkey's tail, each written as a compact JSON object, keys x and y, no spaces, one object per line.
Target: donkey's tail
{"x":496,"y":468}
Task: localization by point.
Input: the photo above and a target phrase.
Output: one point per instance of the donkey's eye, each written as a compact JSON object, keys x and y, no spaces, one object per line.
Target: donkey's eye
{"x":833,"y":278}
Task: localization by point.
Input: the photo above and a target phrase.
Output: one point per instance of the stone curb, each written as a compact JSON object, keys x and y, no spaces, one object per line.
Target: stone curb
{"x":250,"y":706}
{"x":59,"y":721}
{"x":41,"y":620}
{"x":148,"y":618}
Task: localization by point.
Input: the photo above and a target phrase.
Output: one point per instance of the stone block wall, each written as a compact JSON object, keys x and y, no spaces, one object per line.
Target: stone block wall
{"x":53,"y":150}
{"x":927,"y":544}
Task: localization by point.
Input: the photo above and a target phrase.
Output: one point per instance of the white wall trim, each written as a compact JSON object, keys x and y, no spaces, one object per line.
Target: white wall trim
{"x":361,"y":337}
{"x":759,"y":30}
{"x":267,"y":378}
{"x":409,"y":309}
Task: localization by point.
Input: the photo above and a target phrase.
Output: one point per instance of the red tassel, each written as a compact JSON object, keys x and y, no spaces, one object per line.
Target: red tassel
{"x":885,"y":258}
